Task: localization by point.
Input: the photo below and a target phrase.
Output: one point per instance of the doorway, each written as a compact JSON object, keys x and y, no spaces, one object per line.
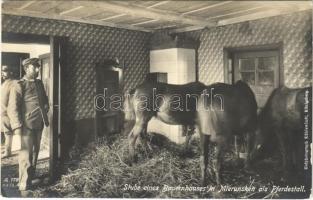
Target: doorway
{"x":49,"y":50}
{"x":12,"y":55}
{"x":109,"y":83}
{"x":14,"y":60}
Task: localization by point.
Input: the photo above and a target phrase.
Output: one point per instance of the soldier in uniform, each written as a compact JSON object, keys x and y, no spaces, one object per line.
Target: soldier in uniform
{"x":28,"y":114}
{"x":7,"y":82}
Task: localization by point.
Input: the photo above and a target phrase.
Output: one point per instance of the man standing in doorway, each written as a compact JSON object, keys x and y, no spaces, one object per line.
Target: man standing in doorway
{"x":6,"y":84}
{"x":28,"y":109}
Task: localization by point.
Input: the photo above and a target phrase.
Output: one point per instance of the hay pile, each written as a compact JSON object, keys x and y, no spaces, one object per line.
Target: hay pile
{"x":104,"y":171}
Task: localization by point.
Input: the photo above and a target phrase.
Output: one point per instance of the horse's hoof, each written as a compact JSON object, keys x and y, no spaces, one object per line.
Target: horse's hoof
{"x":132,"y":159}
{"x":211,"y":172}
{"x":283,"y":179}
{"x":248,"y":168}
{"x":128,"y":162}
{"x":135,"y":159}
{"x":247,"y":165}
{"x":203,"y":183}
{"x":249,"y":171}
{"x":150,"y":155}
{"x":288,"y":179}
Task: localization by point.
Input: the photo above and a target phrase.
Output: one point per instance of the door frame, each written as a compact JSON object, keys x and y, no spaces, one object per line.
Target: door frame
{"x":57,"y":58}
{"x":228,"y":59}
{"x":57,"y":61}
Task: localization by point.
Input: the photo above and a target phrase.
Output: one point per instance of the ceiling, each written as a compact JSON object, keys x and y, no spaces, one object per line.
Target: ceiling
{"x":149,"y":16}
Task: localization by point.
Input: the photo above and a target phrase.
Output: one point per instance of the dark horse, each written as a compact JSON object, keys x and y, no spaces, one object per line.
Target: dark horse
{"x":172,"y":104}
{"x":283,"y":119}
{"x":218,"y":124}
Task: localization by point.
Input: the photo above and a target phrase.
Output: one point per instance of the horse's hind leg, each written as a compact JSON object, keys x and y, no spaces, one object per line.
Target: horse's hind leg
{"x":189,"y":131}
{"x":217,"y":161}
{"x":204,"y":146}
{"x":144,"y":137}
{"x":286,"y":153}
{"x":132,"y":137}
{"x":249,"y":148}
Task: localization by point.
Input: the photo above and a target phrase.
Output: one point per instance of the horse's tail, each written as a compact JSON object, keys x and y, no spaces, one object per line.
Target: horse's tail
{"x":129,"y":105}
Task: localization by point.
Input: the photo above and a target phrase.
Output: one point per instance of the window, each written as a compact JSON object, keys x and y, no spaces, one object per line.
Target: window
{"x":258,"y":70}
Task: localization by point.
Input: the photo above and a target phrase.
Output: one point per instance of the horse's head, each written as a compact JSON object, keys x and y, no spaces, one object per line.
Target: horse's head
{"x":263,"y":138}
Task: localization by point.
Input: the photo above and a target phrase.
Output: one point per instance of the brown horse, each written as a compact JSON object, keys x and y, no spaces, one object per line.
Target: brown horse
{"x":231,"y":111}
{"x":172,"y":104}
{"x":285,"y":119}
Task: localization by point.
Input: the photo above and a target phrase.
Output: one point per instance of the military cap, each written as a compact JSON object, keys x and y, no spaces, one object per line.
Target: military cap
{"x":6,"y":68}
{"x":31,"y":61}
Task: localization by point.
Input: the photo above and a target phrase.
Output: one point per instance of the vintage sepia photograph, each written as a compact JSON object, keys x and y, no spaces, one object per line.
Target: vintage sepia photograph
{"x":156,"y":99}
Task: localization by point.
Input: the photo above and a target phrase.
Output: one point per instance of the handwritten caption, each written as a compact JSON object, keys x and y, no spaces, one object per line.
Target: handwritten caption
{"x":306,"y":130}
{"x":209,"y":188}
{"x":9,"y":182}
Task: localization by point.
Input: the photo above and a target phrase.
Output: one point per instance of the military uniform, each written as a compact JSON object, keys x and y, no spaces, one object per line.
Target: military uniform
{"x":5,"y":121}
{"x":5,"y":93}
{"x":25,"y":112}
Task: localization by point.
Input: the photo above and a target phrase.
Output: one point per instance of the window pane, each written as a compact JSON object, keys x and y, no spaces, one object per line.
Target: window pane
{"x":246,"y":64}
{"x":266,"y":78}
{"x":248,"y":77}
{"x":267,"y":63}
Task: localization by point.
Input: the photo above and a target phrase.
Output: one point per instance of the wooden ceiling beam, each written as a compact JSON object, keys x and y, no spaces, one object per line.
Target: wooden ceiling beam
{"x":237,"y":12}
{"x":145,"y":22}
{"x":147,"y":13}
{"x":68,"y":18}
{"x":206,"y":7}
{"x":284,"y":4}
{"x":28,"y":3}
{"x":158,"y":4}
{"x":113,"y":17}
{"x":271,"y":11}
{"x":187,"y":29}
{"x":260,"y":15}
{"x":71,"y":10}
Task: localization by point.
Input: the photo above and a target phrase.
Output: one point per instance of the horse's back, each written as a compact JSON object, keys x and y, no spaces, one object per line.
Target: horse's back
{"x":172,"y":104}
{"x":165,"y":88}
{"x":238,"y":113}
{"x":285,"y":107}
{"x":283,"y":117}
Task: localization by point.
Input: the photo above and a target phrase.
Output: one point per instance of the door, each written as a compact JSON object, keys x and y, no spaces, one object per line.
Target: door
{"x":108,"y":119}
{"x":57,"y":62}
{"x":260,"y":69}
{"x":44,"y":75}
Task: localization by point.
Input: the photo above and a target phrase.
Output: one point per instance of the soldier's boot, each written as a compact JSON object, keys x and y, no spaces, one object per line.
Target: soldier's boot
{"x":8,"y":145}
{"x":25,"y":162}
{"x":36,"y":147}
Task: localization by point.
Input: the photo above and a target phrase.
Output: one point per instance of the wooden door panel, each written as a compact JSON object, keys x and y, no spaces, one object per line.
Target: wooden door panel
{"x":108,"y":120}
{"x":45,"y":78}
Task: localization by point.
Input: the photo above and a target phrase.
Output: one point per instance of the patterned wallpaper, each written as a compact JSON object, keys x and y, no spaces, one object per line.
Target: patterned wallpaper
{"x":293,"y":30}
{"x":87,"y":45}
